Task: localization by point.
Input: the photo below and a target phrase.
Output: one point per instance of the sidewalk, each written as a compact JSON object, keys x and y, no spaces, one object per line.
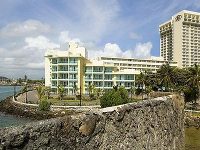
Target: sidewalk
{"x":31,"y":97}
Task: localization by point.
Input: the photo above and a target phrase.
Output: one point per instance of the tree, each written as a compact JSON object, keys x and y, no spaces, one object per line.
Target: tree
{"x":148,"y":90}
{"x":180,"y":77}
{"x":141,"y":80}
{"x":114,"y":97}
{"x":165,"y":75}
{"x":47,"y":91}
{"x":75,"y":90}
{"x":98,"y":92}
{"x":61,"y":91}
{"x":124,"y":94}
{"x":152,"y":80}
{"x":91,"y":89}
{"x":132,"y":91}
{"x":40,"y":91}
{"x":194,"y":79}
{"x":115,"y":87}
{"x":44,"y":105}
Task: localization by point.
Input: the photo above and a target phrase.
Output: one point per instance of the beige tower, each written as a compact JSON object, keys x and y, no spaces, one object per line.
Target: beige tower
{"x":180,"y":39}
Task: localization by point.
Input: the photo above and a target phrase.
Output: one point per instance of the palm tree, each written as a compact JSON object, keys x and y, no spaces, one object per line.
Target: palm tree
{"x":47,"y":91}
{"x":148,"y":90}
{"x":98,"y":92}
{"x":132,"y":91}
{"x":75,"y":88}
{"x":141,"y":81}
{"x":152,"y":80}
{"x":40,"y":91}
{"x":194,"y":79}
{"x":165,"y":75}
{"x":91,"y":88}
{"x":61,"y":91}
{"x":180,"y":79}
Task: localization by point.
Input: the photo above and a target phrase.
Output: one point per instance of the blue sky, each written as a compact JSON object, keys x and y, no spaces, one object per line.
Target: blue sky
{"x":127,"y":28}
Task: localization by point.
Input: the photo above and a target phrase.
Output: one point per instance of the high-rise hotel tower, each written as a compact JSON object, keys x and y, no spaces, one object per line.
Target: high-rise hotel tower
{"x":180,"y":39}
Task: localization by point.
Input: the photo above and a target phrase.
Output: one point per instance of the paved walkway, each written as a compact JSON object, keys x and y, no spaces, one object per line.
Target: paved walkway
{"x":31,"y":97}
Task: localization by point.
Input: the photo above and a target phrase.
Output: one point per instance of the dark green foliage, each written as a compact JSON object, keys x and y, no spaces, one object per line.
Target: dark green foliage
{"x":114,"y":97}
{"x":191,"y":94}
{"x":92,"y":96}
{"x":115,"y":87}
{"x":138,"y":91}
{"x":124,"y":95}
{"x":61,"y":91}
{"x":40,"y":91}
{"x":171,"y":79}
{"x":165,"y":75}
{"x":44,"y":105}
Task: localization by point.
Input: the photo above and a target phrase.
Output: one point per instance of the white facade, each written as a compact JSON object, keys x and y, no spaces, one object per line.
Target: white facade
{"x":180,"y":38}
{"x":72,"y":68}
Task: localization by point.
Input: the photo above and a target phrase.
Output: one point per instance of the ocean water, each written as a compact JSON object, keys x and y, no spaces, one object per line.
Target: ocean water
{"x":9,"y":120}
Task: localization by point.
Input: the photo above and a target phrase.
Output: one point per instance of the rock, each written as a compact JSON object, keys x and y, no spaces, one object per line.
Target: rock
{"x":152,"y":124}
{"x":88,"y":125}
{"x":62,"y":112}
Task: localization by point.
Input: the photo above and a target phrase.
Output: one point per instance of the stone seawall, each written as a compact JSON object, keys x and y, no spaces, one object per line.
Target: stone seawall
{"x":154,"y":125}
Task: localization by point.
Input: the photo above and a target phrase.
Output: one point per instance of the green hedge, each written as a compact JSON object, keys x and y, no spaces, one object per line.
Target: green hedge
{"x":44,"y":105}
{"x":114,"y":97}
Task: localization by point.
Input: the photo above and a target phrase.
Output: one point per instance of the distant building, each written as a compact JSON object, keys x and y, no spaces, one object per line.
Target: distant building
{"x":73,"y":69}
{"x":4,"y":80}
{"x":180,"y":39}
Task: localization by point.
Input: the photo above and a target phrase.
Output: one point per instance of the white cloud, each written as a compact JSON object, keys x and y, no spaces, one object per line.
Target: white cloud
{"x":23,"y":44}
{"x":35,"y":65}
{"x":134,"y":36}
{"x":65,"y":37}
{"x":97,"y":18}
{"x":112,"y":49}
{"x":142,"y":50}
{"x":39,"y":42}
{"x":18,"y":29}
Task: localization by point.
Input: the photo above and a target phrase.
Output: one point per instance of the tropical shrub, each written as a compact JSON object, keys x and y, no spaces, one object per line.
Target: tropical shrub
{"x":40,"y":91}
{"x":61,"y":91}
{"x":114,"y":97}
{"x":191,"y":94}
{"x":44,"y":105}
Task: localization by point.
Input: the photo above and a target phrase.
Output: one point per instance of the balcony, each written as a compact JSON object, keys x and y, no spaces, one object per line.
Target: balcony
{"x":88,"y":71}
{"x":97,"y":78}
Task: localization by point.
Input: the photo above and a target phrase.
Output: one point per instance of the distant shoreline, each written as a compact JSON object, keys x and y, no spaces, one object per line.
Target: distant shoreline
{"x":9,"y":85}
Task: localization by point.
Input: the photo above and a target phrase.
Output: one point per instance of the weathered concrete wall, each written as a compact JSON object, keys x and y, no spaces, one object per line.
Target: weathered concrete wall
{"x":154,"y":125}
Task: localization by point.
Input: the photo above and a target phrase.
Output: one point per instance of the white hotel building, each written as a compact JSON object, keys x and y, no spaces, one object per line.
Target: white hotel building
{"x":180,"y":39}
{"x":72,"y":67}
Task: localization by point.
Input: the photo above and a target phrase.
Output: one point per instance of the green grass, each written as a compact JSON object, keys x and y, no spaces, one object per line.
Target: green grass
{"x":194,"y":114}
{"x":192,"y":137}
{"x":56,"y":101}
{"x":73,"y":102}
